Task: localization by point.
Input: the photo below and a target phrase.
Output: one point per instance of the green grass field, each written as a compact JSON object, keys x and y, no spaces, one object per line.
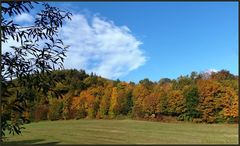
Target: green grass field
{"x":124,"y":132}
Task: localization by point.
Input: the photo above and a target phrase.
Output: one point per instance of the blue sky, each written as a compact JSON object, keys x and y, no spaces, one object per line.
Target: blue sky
{"x":161,"y":39}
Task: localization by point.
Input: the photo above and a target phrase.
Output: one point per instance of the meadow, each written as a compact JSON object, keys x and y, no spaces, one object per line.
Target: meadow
{"x":124,"y":132}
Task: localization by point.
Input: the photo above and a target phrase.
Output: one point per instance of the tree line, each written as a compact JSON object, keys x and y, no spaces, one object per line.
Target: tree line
{"x":203,"y":97}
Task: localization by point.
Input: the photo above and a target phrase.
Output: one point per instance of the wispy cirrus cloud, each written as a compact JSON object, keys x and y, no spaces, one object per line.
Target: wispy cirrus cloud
{"x":98,"y":45}
{"x":24,"y":17}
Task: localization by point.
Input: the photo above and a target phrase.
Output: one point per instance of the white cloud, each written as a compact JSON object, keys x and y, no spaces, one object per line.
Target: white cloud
{"x":98,"y":45}
{"x":24,"y":17}
{"x":207,"y":73}
{"x":210,"y":71}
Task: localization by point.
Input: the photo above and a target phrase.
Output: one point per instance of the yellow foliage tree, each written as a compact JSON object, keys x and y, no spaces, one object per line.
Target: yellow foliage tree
{"x":210,"y":100}
{"x":176,"y":102}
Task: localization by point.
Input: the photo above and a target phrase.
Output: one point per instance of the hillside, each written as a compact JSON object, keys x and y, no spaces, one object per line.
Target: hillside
{"x":209,"y":98}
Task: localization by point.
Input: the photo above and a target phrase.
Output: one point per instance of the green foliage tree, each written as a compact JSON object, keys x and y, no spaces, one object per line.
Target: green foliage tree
{"x":29,"y":73}
{"x":164,"y":81}
{"x":191,"y":98}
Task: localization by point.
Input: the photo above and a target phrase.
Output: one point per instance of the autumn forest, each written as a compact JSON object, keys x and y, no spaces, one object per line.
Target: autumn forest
{"x":199,"y":98}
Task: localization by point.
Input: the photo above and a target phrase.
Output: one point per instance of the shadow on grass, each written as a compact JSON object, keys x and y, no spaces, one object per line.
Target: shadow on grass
{"x":29,"y":142}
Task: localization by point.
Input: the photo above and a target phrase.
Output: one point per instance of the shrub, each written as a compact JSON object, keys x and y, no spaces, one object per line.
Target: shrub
{"x":55,"y":110}
{"x":81,"y":113}
{"x":197,"y":120}
{"x":41,"y":112}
